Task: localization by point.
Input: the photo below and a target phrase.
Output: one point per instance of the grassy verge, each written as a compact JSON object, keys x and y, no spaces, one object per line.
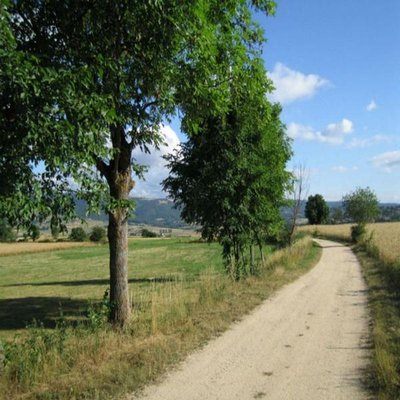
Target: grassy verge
{"x":383,"y":279}
{"x":181,"y":299}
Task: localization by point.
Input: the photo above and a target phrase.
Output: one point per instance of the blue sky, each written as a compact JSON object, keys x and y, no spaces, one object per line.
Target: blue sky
{"x":336,"y":69}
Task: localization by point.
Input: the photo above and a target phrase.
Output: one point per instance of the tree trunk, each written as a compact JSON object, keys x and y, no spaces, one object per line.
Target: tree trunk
{"x":118,"y":244}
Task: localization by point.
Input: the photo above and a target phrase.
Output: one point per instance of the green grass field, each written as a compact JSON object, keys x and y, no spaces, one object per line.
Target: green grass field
{"x":38,"y":285}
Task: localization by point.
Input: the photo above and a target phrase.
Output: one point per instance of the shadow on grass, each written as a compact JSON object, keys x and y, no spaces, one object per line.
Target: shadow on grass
{"x":20,"y":312}
{"x":86,"y":282}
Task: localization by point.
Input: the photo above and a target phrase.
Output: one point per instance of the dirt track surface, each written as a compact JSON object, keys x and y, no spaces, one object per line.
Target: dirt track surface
{"x":309,"y":341}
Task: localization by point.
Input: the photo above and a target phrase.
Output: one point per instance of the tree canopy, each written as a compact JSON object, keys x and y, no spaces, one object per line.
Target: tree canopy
{"x":317,"y":211}
{"x":230,"y":177}
{"x":84,"y":83}
{"x":361,"y":205}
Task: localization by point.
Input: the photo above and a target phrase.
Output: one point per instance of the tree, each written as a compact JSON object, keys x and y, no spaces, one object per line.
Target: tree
{"x":336,"y":215}
{"x":88,"y":82}
{"x":316,"y":211}
{"x":298,"y":191}
{"x":230,"y":177}
{"x":34,"y":232}
{"x":361,"y":206}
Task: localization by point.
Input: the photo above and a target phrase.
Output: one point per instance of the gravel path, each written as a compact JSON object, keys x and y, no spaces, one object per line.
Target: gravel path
{"x":309,"y":341}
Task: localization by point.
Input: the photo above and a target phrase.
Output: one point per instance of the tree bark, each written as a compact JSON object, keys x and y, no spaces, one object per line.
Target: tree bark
{"x":118,"y":244}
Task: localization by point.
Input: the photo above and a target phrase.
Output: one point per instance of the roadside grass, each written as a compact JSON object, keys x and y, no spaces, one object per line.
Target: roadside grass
{"x":181,"y":299}
{"x":379,"y":255}
{"x":384,"y":235}
{"x":383,"y":280}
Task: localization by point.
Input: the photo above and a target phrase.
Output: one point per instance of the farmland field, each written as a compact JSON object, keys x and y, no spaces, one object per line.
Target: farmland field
{"x":39,"y":285}
{"x":385,"y":236}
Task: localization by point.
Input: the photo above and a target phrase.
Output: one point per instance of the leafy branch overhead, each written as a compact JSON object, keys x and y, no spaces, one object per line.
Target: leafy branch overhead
{"x":85,"y":83}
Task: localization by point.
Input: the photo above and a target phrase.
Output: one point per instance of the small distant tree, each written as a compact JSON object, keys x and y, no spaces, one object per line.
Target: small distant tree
{"x":98,"y":234}
{"x":148,"y":234}
{"x":336,"y":215}
{"x":361,"y":206}
{"x":317,"y":211}
{"x":78,"y":235}
{"x":299,"y":190}
{"x":34,"y":232}
{"x":55,"y":231}
{"x":6,"y":232}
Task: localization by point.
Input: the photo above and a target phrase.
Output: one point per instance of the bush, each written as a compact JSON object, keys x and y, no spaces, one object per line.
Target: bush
{"x":148,"y":234}
{"x":98,"y":234}
{"x":357,"y":232}
{"x":6,"y":232}
{"x":34,"y":232}
{"x":78,"y":235}
{"x":55,"y":231}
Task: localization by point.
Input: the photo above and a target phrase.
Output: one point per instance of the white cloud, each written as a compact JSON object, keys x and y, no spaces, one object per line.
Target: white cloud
{"x":341,"y":169}
{"x":371,"y":106}
{"x":291,"y":85}
{"x":387,"y":160}
{"x":334,"y":133}
{"x":361,"y":143}
{"x":157,"y":170}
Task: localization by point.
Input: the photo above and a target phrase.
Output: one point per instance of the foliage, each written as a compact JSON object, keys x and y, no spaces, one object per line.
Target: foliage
{"x":78,"y":234}
{"x":336,"y":215}
{"x":317,"y":211}
{"x":148,"y":234}
{"x":361,"y":206}
{"x":98,"y":234}
{"x":358,"y":232}
{"x":230,"y":177}
{"x":34,"y":232}
{"x":84,"y":84}
{"x":6,"y":232}
{"x":297,"y":191}
{"x":55,"y":232}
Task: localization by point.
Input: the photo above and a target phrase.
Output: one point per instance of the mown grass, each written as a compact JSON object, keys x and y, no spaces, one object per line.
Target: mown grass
{"x":181,"y":298}
{"x":379,"y":255}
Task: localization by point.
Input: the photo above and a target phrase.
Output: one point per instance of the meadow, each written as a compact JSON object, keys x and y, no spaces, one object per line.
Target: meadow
{"x":180,"y":296}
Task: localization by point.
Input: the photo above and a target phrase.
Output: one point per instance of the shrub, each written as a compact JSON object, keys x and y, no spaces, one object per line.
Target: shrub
{"x":6,"y":232}
{"x":357,"y":232}
{"x":55,"y":231}
{"x":148,"y":234}
{"x":34,"y":232}
{"x":78,"y":235}
{"x":98,"y":234}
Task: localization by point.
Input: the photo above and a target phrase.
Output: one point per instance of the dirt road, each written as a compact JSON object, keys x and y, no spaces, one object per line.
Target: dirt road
{"x":307,"y":342}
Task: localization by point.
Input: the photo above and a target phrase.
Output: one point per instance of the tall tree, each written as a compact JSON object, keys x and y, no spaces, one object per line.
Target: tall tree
{"x":230,"y":177}
{"x":93,"y":81}
{"x":316,"y":211}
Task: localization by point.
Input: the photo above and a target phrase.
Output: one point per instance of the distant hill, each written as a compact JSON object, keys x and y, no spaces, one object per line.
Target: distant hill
{"x":161,"y":212}
{"x":156,"y":212}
